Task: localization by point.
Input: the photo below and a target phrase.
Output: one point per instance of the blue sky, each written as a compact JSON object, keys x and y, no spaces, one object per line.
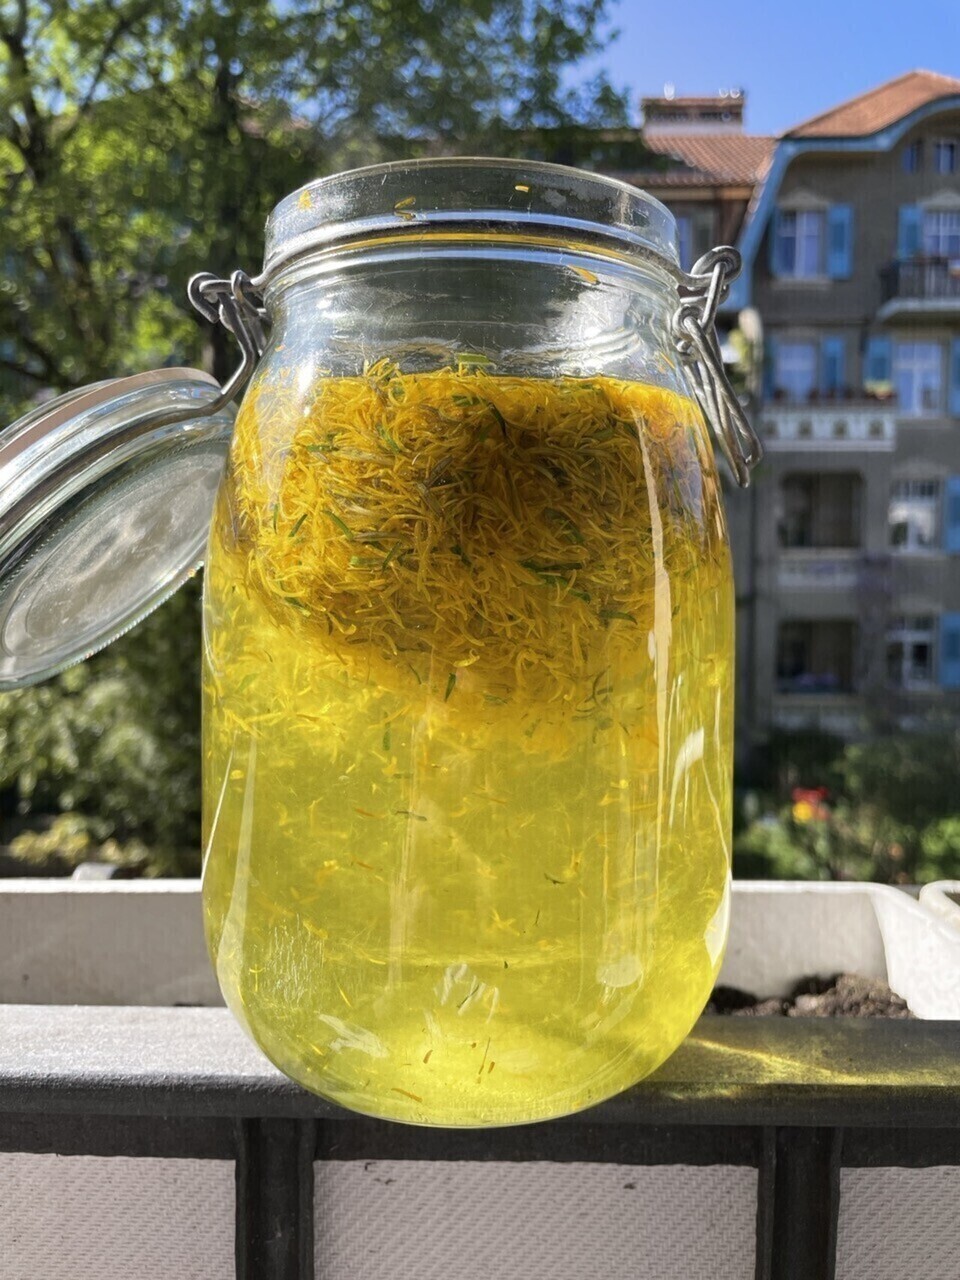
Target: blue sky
{"x":795,"y":58}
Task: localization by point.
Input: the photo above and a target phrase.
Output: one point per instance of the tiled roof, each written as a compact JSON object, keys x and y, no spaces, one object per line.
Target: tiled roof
{"x":875,"y":109}
{"x":710,"y":158}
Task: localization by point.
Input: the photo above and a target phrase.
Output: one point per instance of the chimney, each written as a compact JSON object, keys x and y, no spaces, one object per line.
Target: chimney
{"x":722,"y":113}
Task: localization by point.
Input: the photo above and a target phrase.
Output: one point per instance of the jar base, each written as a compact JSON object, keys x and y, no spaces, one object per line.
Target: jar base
{"x":513,"y":1076}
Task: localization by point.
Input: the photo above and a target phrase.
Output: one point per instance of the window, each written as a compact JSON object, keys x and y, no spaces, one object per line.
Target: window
{"x":941,"y":233}
{"x":816,"y":657}
{"x":917,"y":376}
{"x":913,"y":514}
{"x":913,"y":157}
{"x":820,"y":510}
{"x":799,"y":247}
{"x":945,"y":156}
{"x":685,"y":239}
{"x":796,"y":369}
{"x":694,"y":236}
{"x":911,"y":645}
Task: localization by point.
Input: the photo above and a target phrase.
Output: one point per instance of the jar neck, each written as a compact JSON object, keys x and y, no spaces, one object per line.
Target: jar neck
{"x":531,"y":308}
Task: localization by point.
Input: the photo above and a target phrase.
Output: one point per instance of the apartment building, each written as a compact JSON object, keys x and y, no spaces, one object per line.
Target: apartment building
{"x":851,"y":612}
{"x":847,"y":546}
{"x":702,"y":165}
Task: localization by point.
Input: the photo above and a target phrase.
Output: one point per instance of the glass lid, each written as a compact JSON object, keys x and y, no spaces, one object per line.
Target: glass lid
{"x":106,"y":496}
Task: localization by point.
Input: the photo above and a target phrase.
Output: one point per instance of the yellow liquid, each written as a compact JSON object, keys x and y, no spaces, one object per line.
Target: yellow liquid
{"x":468,"y":647}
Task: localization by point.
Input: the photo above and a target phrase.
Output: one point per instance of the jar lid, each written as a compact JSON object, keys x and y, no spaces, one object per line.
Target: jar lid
{"x":475,"y":194}
{"x":106,"y":497}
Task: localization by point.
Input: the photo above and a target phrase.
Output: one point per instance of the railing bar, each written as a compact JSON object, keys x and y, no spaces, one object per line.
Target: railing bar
{"x":151,"y":1136}
{"x":766,"y":1188}
{"x":274,"y":1204}
{"x":806,"y":1204}
{"x":628,"y":1144}
{"x":917,"y":1148}
{"x":308,"y":1205}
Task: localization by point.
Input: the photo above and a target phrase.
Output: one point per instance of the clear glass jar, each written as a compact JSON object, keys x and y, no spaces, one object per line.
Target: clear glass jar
{"x":468,"y":651}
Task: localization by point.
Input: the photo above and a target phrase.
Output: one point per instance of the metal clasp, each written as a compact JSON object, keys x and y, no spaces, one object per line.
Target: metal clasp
{"x":694,"y":331}
{"x":237,"y":305}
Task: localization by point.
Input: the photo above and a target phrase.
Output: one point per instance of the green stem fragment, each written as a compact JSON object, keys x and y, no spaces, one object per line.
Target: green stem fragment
{"x":344,"y":528}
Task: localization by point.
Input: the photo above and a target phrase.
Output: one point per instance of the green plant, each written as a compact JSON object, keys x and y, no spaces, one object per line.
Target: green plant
{"x":112,"y":749}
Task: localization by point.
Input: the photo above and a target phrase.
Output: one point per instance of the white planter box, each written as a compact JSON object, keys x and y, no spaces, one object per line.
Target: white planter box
{"x":782,"y":931}
{"x":141,"y":942}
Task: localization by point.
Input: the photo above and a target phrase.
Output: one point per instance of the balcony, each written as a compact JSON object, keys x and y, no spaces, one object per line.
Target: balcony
{"x":139,"y":1137}
{"x":920,"y":286}
{"x":809,"y":569}
{"x":861,"y":425}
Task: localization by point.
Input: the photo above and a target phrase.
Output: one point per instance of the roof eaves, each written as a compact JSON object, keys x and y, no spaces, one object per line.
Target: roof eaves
{"x":785,"y":151}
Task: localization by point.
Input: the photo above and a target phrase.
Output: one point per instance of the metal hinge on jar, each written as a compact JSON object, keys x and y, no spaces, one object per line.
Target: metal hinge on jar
{"x":238,"y":306}
{"x":694,"y":331}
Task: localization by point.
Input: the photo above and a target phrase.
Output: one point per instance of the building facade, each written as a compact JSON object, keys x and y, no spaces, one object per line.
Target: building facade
{"x":847,"y":545}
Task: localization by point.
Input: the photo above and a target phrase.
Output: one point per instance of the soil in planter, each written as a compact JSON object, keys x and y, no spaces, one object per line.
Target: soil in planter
{"x":843,"y":996}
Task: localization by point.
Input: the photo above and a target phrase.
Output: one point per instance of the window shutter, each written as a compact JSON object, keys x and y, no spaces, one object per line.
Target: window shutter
{"x":955,"y":377}
{"x":950,"y":650}
{"x":840,"y":242}
{"x":702,"y":235}
{"x":769,"y":368}
{"x":832,"y":360}
{"x":908,"y":231}
{"x":951,"y":515}
{"x":878,"y":366}
{"x":774,"y":243}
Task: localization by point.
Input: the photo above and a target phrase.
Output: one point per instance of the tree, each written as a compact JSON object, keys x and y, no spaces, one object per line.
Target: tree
{"x":144,"y":140}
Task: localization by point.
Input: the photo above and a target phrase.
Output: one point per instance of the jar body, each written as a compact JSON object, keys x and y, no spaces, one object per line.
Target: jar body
{"x":467,"y":688}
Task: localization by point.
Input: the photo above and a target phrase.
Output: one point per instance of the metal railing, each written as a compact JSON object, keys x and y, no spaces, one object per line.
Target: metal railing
{"x":925,"y":279}
{"x":799,"y":1100}
{"x":120,"y":1053}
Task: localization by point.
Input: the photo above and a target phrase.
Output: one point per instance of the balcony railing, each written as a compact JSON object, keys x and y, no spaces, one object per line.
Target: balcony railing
{"x":921,"y":280}
{"x":855,"y":424}
{"x":811,"y":569}
{"x":158,"y":1141}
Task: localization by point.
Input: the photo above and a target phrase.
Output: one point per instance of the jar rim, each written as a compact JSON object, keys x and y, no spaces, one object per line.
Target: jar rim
{"x":475,"y":195}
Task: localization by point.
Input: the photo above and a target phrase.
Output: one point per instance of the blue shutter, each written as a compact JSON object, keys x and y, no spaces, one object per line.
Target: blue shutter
{"x":954,"y":395}
{"x":769,"y":368}
{"x":950,"y":650}
{"x":774,"y":244}
{"x":951,"y":515}
{"x":908,"y":231}
{"x":840,"y":242}
{"x":878,"y":366}
{"x":832,"y":359}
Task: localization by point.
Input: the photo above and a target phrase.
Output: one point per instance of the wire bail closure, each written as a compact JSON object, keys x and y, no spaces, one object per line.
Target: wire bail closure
{"x":694,"y":332}
{"x":238,"y":306}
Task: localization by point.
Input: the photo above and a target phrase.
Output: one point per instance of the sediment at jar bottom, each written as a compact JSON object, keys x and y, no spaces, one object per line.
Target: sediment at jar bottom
{"x":440,"y":906}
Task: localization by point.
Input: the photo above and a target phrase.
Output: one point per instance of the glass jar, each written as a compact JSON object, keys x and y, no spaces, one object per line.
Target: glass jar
{"x":468,"y":646}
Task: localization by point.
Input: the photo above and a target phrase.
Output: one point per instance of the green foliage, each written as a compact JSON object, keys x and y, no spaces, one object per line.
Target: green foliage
{"x":893,"y":814}
{"x":910,"y":778}
{"x":114,"y":745}
{"x":803,"y":758}
{"x":144,"y":140}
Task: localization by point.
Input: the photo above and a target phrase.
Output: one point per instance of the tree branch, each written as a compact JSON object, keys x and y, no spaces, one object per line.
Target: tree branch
{"x":124,"y":25}
{"x":23,"y":371}
{"x":32,"y":144}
